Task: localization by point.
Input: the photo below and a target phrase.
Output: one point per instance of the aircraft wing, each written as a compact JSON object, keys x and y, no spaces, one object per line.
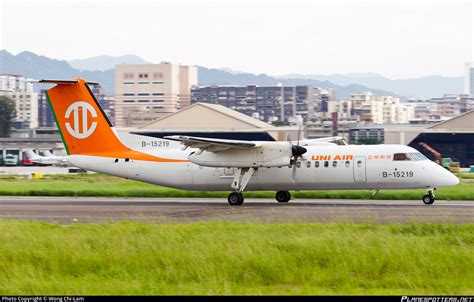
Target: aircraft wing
{"x":323,"y":141}
{"x":212,"y":144}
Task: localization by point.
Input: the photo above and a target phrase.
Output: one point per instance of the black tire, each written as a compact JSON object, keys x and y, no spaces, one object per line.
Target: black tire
{"x":235,"y":199}
{"x":428,"y":199}
{"x":283,"y":196}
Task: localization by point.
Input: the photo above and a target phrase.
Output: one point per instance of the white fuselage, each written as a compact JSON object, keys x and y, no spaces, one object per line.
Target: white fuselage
{"x":321,"y":168}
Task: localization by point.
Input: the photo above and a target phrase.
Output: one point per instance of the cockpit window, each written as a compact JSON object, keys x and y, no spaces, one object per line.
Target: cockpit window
{"x":418,"y":156}
{"x":401,"y":156}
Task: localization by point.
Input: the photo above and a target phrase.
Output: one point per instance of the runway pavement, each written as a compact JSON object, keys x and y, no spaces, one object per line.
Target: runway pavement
{"x":100,"y":209}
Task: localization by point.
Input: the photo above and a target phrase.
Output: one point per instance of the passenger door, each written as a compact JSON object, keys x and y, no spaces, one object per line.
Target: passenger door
{"x":360,"y":169}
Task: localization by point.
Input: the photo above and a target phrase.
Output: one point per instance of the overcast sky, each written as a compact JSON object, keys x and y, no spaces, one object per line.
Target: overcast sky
{"x":398,"y":40}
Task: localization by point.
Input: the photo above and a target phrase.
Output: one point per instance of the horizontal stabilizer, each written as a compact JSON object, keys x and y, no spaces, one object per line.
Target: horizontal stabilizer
{"x":64,"y":82}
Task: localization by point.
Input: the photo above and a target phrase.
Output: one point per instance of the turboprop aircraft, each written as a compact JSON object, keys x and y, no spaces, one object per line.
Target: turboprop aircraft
{"x":49,"y":159}
{"x":206,"y":164}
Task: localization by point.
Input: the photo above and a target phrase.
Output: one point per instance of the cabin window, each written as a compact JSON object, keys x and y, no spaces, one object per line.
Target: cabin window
{"x":348,"y":163}
{"x":418,"y":156}
{"x":359,"y":163}
{"x":316,"y":164}
{"x":401,"y":156}
{"x":308,"y":164}
{"x":326,"y":164}
{"x":298,"y":164}
{"x":334,"y":164}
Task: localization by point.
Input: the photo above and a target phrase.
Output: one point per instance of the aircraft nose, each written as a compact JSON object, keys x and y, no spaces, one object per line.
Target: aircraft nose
{"x":453,"y":180}
{"x":446,"y":178}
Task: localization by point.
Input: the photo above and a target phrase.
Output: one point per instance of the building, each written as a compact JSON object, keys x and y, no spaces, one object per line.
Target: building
{"x":45,"y":114}
{"x":375,"y":134}
{"x":452,"y":138}
{"x":145,"y":92}
{"x":107,"y":103}
{"x":469,"y":78}
{"x":20,"y":90}
{"x":371,"y":109}
{"x":438,"y":109}
{"x":328,"y":127}
{"x":211,"y":121}
{"x":39,"y":140}
{"x":267,"y":103}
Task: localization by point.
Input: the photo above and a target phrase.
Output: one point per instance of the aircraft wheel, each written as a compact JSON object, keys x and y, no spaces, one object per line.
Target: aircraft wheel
{"x":235,"y":199}
{"x":428,"y":199}
{"x":283,"y":196}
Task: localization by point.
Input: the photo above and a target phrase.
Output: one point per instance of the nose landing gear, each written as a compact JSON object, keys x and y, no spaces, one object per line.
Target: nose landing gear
{"x":429,"y":198}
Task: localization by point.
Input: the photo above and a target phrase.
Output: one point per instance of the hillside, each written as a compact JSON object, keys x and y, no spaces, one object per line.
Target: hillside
{"x":40,"y":67}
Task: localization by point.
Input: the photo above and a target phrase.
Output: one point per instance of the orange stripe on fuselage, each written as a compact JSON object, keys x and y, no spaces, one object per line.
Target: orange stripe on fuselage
{"x":137,"y":155}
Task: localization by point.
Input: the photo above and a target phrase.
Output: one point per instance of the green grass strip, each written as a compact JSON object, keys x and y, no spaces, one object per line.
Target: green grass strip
{"x":235,"y":258}
{"x":103,"y":185}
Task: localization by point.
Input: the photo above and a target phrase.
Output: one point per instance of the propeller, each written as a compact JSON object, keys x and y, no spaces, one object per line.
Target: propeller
{"x":296,"y":151}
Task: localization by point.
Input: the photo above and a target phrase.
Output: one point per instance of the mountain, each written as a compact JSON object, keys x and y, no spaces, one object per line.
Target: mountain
{"x":40,"y":67}
{"x":103,"y":63}
{"x":429,"y":86}
{"x":221,"y":77}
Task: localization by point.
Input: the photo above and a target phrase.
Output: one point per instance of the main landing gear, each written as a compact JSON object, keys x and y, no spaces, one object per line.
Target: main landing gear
{"x":235,"y":198}
{"x":283,"y":196}
{"x":241,"y":179}
{"x":429,"y":198}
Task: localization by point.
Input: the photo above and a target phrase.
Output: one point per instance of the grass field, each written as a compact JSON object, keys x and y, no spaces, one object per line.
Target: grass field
{"x":235,"y":258}
{"x":102,"y":185}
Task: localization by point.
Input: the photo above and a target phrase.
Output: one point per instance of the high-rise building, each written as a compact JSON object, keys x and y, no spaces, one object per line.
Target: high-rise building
{"x":45,"y":114}
{"x":145,"y":92}
{"x":20,"y":89}
{"x":469,"y":78}
{"x":267,"y":103}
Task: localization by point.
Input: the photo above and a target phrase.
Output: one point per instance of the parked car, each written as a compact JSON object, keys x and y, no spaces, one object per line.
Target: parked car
{"x":10,"y":160}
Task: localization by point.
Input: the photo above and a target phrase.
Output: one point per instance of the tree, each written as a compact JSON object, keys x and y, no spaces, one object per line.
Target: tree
{"x":7,"y":114}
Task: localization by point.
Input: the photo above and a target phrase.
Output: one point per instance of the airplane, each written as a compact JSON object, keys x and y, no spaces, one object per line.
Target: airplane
{"x":49,"y":159}
{"x":205,"y":164}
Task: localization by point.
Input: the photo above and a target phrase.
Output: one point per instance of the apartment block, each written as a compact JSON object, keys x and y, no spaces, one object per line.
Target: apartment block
{"x":20,"y":89}
{"x":371,"y":109}
{"x":438,"y":109}
{"x":267,"y":103}
{"x":145,"y":92}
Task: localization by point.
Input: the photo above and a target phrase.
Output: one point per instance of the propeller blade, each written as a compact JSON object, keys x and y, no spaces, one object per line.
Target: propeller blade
{"x":293,"y":172}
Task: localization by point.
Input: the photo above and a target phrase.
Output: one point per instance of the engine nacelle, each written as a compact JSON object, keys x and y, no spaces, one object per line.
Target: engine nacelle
{"x":268,"y":154}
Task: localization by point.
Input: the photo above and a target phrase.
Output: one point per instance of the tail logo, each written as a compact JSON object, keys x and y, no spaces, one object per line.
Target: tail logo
{"x":80,"y":115}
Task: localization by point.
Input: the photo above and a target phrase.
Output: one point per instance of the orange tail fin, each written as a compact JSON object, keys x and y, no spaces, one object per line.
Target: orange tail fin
{"x":84,"y":127}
